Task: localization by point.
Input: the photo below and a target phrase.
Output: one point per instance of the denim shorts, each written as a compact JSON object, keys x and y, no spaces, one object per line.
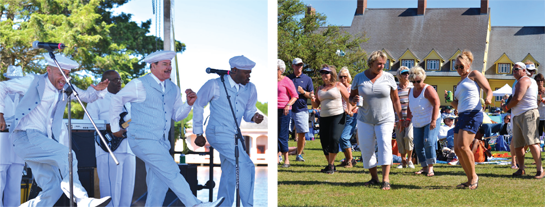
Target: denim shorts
{"x":469,"y":121}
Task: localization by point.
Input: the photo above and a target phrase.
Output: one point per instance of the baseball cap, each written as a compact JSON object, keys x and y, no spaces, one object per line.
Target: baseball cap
{"x":297,"y":61}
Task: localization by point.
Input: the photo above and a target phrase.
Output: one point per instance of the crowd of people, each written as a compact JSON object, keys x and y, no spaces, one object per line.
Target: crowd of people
{"x":378,"y":107}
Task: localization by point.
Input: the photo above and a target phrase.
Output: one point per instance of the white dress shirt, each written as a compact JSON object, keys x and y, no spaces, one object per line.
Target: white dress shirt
{"x":135,"y":92}
{"x":211,"y":91}
{"x":41,"y":117}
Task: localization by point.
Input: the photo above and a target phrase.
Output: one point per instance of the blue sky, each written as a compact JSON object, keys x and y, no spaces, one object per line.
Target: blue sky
{"x":213,"y":31}
{"x":503,"y":12}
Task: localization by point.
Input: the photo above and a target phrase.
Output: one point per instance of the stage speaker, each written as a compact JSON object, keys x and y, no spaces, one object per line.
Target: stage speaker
{"x":83,"y":144}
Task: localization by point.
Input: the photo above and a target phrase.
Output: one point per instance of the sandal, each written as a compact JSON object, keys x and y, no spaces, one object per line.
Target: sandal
{"x":539,"y":174}
{"x":462,"y":185}
{"x":386,"y":186}
{"x":430,"y":174}
{"x":475,"y":185}
{"x":371,"y":182}
{"x":421,"y":171}
{"x":519,"y":172}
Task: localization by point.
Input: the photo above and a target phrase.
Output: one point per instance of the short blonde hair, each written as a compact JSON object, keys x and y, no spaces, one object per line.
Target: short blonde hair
{"x":417,"y":72}
{"x":374,"y":56}
{"x":467,"y":57}
{"x":281,"y":65}
{"x":398,"y":73}
{"x":345,"y":70}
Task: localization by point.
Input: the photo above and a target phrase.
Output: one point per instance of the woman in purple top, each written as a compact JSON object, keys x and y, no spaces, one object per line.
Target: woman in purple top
{"x":287,"y":95}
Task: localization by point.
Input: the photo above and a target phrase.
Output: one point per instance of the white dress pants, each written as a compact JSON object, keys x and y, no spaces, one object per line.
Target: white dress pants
{"x":48,"y":160}
{"x":162,"y":173}
{"x":116,"y":181}
{"x":224,"y":143}
{"x":370,"y":135}
{"x":10,"y":184}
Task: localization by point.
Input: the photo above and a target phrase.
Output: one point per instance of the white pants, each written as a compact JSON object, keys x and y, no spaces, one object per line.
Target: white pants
{"x":224,"y":143}
{"x":370,"y":135}
{"x":49,"y":163}
{"x":164,"y":172}
{"x":116,"y":181}
{"x":10,"y":184}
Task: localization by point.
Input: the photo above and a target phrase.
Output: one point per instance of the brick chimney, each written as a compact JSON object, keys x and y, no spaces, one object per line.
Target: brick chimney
{"x":421,"y":7}
{"x":310,"y":10}
{"x":362,"y":5}
{"x":484,"y":6}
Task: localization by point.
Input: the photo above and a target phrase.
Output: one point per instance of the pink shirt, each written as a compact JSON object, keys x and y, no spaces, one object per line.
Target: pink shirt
{"x":286,"y":91}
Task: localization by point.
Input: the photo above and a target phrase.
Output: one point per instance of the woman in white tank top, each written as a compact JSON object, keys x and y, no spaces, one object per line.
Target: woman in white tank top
{"x":424,"y":110}
{"x":470,"y":117}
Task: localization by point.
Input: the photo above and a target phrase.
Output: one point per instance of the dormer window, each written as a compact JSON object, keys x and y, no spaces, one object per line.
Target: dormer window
{"x":407,"y":63}
{"x":504,"y":68}
{"x":432,"y":64}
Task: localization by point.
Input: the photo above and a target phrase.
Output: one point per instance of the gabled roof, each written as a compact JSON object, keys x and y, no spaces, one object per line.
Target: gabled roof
{"x":412,"y":53}
{"x":516,"y":43}
{"x":445,"y":30}
{"x":437,"y":52}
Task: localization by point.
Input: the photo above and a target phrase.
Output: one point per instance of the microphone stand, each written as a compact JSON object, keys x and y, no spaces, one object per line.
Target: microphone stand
{"x":238,"y":137}
{"x":70,"y":89}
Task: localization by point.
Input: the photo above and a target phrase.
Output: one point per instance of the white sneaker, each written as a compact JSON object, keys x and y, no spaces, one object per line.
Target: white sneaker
{"x":400,"y":166}
{"x":411,"y":165}
{"x":98,"y":202}
{"x":211,"y":204}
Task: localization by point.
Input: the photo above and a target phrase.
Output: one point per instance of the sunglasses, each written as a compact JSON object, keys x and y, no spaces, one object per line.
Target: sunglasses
{"x":515,"y":69}
{"x":459,"y":67}
{"x":420,"y":81}
{"x":343,"y":76}
{"x":299,"y":65}
{"x":405,"y":73}
{"x":324,"y":72}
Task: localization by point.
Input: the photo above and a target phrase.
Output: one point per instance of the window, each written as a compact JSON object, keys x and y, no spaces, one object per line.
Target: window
{"x":504,"y":68}
{"x":432,"y":64}
{"x":453,"y":64}
{"x":434,"y":87}
{"x":387,"y":65}
{"x":407,"y":63}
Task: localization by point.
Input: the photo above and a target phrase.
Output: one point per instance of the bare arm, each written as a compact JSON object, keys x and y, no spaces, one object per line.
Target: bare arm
{"x":397,"y":106}
{"x":483,"y":83}
{"x":433,"y":98}
{"x":521,"y":88}
{"x":316,"y":101}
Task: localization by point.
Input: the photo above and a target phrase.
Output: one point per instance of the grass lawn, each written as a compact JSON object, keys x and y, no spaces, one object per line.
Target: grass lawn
{"x":304,"y":185}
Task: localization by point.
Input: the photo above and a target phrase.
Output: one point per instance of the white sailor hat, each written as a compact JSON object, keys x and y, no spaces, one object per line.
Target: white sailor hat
{"x":14,"y":72}
{"x":64,"y":62}
{"x":159,"y":55}
{"x":241,"y":63}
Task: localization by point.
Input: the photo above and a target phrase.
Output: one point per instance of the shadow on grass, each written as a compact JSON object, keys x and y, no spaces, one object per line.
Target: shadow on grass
{"x":360,"y":184}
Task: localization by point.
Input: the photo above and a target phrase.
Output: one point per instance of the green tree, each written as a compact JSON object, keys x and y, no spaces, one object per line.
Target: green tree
{"x":305,"y":35}
{"x":94,"y":37}
{"x":263,"y":107}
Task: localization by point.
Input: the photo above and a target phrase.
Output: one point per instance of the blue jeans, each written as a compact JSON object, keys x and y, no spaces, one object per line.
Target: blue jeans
{"x":283,"y":130}
{"x":348,"y":131}
{"x":425,"y":141}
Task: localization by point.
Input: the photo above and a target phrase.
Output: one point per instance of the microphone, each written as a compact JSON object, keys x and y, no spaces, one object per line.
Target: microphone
{"x":47,"y":45}
{"x":217,"y":71}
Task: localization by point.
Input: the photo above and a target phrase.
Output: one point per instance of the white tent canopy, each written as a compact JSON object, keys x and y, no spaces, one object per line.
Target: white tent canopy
{"x":505,"y":90}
